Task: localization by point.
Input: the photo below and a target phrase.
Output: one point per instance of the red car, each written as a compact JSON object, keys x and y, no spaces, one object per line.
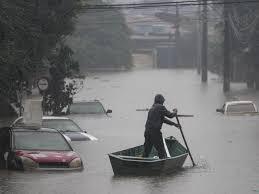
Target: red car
{"x":26,"y":148}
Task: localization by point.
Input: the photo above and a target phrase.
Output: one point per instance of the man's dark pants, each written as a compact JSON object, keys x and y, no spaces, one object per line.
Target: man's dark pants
{"x":154,"y":139}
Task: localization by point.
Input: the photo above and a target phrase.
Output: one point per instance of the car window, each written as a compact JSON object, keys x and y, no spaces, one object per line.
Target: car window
{"x":87,"y":108}
{"x":40,"y":141}
{"x":61,"y":124}
{"x":236,"y":108}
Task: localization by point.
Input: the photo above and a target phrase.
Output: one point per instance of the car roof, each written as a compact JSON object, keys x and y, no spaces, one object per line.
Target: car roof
{"x":239,"y":102}
{"x":54,"y":118}
{"x":33,"y":128}
{"x":85,"y":102}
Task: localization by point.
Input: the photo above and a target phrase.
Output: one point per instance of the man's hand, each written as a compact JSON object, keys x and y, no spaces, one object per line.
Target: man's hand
{"x":175,"y":110}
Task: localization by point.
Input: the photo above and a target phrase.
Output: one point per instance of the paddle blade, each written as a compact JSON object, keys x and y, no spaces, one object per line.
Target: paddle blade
{"x":185,"y":115}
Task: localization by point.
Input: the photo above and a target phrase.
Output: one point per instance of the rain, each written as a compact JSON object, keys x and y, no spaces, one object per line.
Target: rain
{"x":78,"y":84}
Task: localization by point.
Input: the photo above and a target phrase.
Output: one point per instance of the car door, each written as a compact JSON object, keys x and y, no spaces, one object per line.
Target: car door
{"x":5,"y":144}
{"x":2,"y":147}
{"x":11,"y":159}
{"x":10,"y":155}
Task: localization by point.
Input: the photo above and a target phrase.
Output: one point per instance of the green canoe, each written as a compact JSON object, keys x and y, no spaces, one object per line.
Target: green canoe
{"x":131,"y":162}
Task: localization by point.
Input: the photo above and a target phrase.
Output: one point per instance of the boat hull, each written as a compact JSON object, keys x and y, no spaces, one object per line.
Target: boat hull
{"x":129,"y":162}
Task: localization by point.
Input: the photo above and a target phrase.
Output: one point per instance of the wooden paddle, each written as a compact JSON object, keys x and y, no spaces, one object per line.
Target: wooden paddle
{"x":166,"y":149}
{"x":189,"y":152}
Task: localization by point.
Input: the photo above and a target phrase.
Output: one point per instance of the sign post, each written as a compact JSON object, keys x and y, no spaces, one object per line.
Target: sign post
{"x":33,"y":106}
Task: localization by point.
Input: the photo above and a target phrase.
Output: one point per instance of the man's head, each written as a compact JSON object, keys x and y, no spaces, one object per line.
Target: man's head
{"x":159,"y":99}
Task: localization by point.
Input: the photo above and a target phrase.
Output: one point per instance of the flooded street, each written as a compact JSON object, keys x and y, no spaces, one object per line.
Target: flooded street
{"x":224,"y":148}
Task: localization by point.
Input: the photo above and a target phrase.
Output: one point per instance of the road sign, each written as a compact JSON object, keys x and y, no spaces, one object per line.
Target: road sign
{"x":43,"y":84}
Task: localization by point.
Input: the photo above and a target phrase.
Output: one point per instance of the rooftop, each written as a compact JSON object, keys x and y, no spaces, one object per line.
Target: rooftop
{"x":239,"y":102}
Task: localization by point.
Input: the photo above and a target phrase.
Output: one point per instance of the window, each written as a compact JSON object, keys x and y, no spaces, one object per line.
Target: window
{"x":34,"y":140}
{"x":61,"y":125}
{"x":87,"y":108}
{"x":239,"y":108}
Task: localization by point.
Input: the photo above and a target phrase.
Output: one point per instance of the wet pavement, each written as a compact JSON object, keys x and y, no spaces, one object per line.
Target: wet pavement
{"x":224,"y":148}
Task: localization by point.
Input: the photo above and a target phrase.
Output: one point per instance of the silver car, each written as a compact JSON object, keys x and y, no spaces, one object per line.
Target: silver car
{"x":238,"y":108}
{"x":65,"y":125}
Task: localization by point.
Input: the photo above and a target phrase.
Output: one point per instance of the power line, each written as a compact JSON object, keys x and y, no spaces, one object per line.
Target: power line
{"x":149,"y":21}
{"x":115,"y":7}
{"x":184,"y":19}
{"x":163,"y":4}
{"x":189,"y":2}
{"x":185,"y":14}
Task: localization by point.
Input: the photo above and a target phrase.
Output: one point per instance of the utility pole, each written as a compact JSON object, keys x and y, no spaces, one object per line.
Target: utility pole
{"x":177,"y":35}
{"x":226,"y":54}
{"x":204,"y":58}
{"x":198,"y":60}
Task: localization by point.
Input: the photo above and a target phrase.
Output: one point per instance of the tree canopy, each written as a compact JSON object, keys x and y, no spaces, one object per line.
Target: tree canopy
{"x":30,"y":31}
{"x":34,"y":42}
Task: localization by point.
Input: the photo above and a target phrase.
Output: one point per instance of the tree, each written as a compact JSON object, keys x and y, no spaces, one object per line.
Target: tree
{"x":60,"y":94}
{"x":30,"y":30}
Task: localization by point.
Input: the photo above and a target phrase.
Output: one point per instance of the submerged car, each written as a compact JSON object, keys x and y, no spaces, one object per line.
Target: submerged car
{"x":238,"y":108}
{"x":90,"y":113}
{"x":65,"y":125}
{"x":28,"y":148}
{"x":94,"y":107}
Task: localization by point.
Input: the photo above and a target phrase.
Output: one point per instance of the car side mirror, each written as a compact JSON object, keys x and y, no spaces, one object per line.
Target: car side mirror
{"x":84,"y":131}
{"x":219,"y":110}
{"x":109,"y":111}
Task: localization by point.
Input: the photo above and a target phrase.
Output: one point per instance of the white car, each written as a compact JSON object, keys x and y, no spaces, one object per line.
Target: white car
{"x":65,"y":125}
{"x":238,"y":108}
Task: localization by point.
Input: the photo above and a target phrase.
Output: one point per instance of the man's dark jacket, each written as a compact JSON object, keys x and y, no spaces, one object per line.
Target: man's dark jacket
{"x":156,"y":118}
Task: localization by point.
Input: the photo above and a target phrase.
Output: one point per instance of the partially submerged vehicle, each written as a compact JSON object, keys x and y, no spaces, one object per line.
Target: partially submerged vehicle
{"x":238,"y":108}
{"x":65,"y":125}
{"x":131,"y":162}
{"x":33,"y":148}
{"x":94,"y":107}
{"x":68,"y":127}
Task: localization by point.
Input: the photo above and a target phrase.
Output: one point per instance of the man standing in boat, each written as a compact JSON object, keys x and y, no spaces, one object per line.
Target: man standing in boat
{"x":156,"y":117}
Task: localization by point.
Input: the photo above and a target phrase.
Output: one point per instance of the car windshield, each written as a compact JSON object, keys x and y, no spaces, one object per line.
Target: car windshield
{"x":87,"y":108}
{"x":33,"y":140}
{"x":238,"y":108}
{"x":61,"y":125}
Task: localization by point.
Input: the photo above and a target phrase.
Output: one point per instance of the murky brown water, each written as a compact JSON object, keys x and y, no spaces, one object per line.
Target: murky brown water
{"x":225,"y":148}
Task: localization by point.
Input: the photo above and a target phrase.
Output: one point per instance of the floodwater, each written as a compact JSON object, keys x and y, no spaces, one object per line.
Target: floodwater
{"x":225,"y":148}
